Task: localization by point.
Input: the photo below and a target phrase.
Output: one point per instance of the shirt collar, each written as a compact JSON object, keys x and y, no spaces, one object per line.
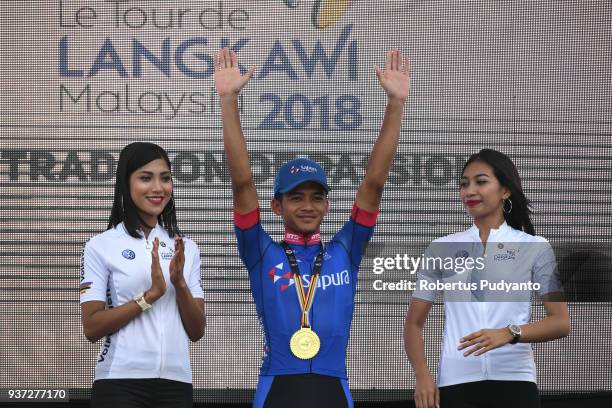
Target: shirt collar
{"x":494,"y":234}
{"x":301,"y":239}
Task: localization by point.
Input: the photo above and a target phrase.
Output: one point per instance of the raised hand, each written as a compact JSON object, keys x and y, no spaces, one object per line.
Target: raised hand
{"x":228,"y":80}
{"x":395,"y":78}
{"x":177,"y":263}
{"x":158,"y":283}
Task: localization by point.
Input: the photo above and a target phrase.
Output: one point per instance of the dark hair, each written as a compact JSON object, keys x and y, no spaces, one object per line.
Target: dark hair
{"x":506,"y":173}
{"x":131,"y":158}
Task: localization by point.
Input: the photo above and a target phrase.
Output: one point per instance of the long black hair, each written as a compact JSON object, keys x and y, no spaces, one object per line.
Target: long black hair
{"x":131,"y":158}
{"x":506,"y":173}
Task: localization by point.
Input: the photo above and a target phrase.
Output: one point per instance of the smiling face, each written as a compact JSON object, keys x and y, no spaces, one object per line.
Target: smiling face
{"x":481,"y":193}
{"x":303,"y":208}
{"x":151,"y":189}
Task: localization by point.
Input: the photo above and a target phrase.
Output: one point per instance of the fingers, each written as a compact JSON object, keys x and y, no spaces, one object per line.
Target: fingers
{"x":179,"y":251}
{"x":477,"y":347}
{"x":179,"y":245}
{"x":471,"y":336}
{"x":484,"y":348}
{"x":406,"y":65}
{"x":396,"y":60}
{"x":154,"y":251}
{"x":249,"y":74}
{"x":475,"y":341}
{"x":217,"y":60}
{"x":431,"y":399}
{"x":418,"y":401}
{"x":227,"y":61}
{"x":233,"y":58}
{"x":379,"y":73}
{"x":427,"y":399}
{"x":389,"y":60}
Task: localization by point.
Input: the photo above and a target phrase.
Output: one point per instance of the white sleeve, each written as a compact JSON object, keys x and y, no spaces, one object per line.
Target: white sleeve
{"x":94,"y":275}
{"x":545,"y":271}
{"x":194,"y":280}
{"x":426,"y":274}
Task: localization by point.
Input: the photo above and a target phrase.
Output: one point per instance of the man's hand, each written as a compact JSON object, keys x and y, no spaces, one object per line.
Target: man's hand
{"x":228,"y":80}
{"x":395,"y":79}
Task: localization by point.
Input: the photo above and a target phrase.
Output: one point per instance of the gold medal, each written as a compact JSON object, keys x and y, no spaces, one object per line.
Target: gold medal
{"x":305,"y":343}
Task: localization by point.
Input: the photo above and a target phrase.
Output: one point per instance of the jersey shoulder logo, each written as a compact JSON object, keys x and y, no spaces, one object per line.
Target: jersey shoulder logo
{"x":128,"y":254}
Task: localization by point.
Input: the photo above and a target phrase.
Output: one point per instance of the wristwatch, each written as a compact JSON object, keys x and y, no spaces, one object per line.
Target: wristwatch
{"x":140,"y":301}
{"x":515,"y":331}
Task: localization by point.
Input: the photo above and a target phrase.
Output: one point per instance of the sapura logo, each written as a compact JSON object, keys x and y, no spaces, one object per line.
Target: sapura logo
{"x":303,"y":168}
{"x":325,"y":13}
{"x":168,"y":254}
{"x":509,"y":255}
{"x":286,"y":280}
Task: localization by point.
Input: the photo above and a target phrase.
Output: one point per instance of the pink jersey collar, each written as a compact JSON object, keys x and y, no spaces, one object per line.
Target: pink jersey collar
{"x":300,"y":239}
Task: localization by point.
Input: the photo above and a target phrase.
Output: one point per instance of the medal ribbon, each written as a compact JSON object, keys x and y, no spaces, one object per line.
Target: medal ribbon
{"x":305,"y":298}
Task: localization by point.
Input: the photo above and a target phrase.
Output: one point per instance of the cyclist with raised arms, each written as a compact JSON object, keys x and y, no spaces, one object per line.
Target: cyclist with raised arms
{"x":306,"y":337}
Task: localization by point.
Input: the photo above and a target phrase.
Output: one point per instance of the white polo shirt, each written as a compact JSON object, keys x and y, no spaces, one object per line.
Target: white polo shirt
{"x":510,"y":256}
{"x":115,"y":267}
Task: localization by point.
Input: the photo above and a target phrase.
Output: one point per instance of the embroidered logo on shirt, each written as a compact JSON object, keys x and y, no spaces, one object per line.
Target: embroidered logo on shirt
{"x":167,"y":255}
{"x":462,"y":254}
{"x":509,"y":255}
{"x":128,"y":254}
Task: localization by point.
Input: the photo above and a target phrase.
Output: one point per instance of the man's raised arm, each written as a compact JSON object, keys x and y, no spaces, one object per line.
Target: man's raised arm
{"x":229,"y":83}
{"x":395,"y":82}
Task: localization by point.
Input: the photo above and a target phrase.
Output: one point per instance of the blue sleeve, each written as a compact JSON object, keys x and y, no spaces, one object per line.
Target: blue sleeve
{"x":253,"y":240}
{"x":356,"y":233}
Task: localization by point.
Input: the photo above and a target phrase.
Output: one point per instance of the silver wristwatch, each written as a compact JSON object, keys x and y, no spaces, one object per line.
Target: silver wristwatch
{"x":515,"y":331}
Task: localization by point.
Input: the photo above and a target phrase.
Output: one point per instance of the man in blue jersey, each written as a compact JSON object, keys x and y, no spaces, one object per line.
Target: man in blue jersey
{"x":303,"y":290}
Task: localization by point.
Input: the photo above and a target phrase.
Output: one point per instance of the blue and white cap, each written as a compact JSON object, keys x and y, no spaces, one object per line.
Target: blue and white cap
{"x":296,"y":172}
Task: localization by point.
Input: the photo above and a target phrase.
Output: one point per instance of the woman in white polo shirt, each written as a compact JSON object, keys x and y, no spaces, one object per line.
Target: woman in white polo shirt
{"x":486,"y":285}
{"x":140,"y":290}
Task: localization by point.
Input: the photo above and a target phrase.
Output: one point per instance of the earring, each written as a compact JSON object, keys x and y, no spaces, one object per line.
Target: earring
{"x":509,"y":210}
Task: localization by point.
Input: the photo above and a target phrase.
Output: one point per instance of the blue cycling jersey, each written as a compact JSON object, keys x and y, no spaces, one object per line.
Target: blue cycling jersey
{"x":276,"y":301}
